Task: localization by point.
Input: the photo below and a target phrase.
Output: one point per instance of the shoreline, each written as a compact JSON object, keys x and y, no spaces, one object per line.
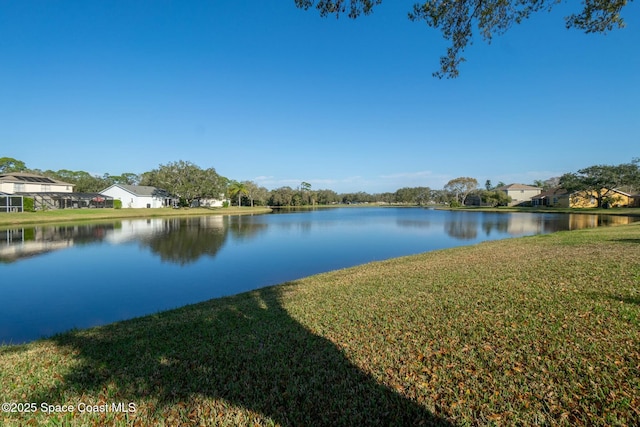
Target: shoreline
{"x":8,"y":220}
{"x":635,"y":212}
{"x":472,"y":334}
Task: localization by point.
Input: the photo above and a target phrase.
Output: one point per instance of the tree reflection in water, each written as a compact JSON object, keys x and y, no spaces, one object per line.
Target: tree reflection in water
{"x":185,"y":240}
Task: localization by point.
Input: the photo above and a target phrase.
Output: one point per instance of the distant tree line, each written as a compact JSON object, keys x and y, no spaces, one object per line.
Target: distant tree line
{"x":304,"y":195}
{"x":190,"y":182}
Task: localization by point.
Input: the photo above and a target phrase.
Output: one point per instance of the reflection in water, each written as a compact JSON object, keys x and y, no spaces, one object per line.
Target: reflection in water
{"x":244,"y":228}
{"x":20,"y":243}
{"x":178,"y":240}
{"x":119,"y":270}
{"x":499,"y":227}
{"x":467,"y":225}
{"x":589,"y":221}
{"x":471,"y":225}
{"x":185,"y":240}
{"x":407,"y":223}
{"x":462,"y":226}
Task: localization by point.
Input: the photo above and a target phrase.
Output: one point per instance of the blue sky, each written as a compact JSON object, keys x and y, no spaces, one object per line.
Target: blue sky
{"x":263,"y":91}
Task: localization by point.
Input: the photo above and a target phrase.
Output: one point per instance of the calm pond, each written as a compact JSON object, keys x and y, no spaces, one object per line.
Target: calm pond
{"x":55,"y":278}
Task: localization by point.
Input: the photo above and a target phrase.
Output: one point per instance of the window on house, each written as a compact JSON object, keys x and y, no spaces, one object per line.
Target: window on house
{"x":18,"y":187}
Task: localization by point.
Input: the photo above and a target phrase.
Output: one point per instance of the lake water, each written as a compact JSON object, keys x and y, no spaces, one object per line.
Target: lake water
{"x":55,"y":278}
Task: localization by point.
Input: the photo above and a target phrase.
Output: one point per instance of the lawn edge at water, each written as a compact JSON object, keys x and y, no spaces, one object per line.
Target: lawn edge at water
{"x":8,"y":220}
{"x":635,"y":212}
{"x":531,"y":330}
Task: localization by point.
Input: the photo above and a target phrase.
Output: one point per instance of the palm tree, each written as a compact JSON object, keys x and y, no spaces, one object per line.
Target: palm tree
{"x":238,"y":188}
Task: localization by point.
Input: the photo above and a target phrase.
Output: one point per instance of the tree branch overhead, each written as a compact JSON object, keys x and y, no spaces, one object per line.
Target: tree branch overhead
{"x":458,"y":19}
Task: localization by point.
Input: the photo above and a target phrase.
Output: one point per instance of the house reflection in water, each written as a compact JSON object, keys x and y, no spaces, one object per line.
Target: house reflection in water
{"x":14,"y":245}
{"x":590,"y":221}
{"x":184,"y":240}
{"x":26,"y":242}
{"x":180,"y":240}
{"x":535,"y":224}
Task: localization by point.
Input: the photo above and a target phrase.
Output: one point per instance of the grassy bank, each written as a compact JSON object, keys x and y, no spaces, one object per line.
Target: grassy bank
{"x":540,"y":330}
{"x":74,"y":215}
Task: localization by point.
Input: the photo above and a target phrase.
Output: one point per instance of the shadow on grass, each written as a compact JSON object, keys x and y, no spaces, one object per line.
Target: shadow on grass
{"x":615,"y":297}
{"x":627,"y":300}
{"x":636,"y":241}
{"x":244,"y":350}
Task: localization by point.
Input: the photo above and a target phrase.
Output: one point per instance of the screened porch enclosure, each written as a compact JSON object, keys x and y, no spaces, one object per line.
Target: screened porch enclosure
{"x":44,"y":201}
{"x":11,"y":203}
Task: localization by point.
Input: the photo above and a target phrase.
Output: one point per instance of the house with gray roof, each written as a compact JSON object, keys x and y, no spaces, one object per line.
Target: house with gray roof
{"x":140,"y":196}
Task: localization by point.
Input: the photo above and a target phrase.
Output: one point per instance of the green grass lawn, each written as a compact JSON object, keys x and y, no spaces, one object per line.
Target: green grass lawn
{"x":540,"y":330}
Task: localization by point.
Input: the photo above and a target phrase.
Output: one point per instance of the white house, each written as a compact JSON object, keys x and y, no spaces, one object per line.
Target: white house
{"x":139,"y":196}
{"x":22,"y":182}
{"x":211,"y":203}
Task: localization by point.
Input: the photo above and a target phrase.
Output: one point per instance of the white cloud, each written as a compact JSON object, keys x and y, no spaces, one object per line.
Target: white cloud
{"x":419,"y":174}
{"x":262,"y":178}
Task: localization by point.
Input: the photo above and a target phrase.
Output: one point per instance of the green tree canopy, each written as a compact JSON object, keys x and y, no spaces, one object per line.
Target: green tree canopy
{"x":359,"y":197}
{"x":327,"y":197}
{"x":126,"y":178}
{"x":495,"y":198}
{"x":599,"y":181}
{"x":84,"y":182}
{"x":238,"y":189}
{"x":461,"y":187}
{"x":307,"y":196}
{"x":413,"y":195}
{"x":256,"y":194}
{"x":186,"y":180}
{"x":458,"y":20}
{"x":282,"y":196}
{"x":9,"y":164}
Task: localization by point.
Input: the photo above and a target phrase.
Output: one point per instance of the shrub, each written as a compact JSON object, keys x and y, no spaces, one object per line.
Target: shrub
{"x":29,"y":204}
{"x":117,"y":204}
